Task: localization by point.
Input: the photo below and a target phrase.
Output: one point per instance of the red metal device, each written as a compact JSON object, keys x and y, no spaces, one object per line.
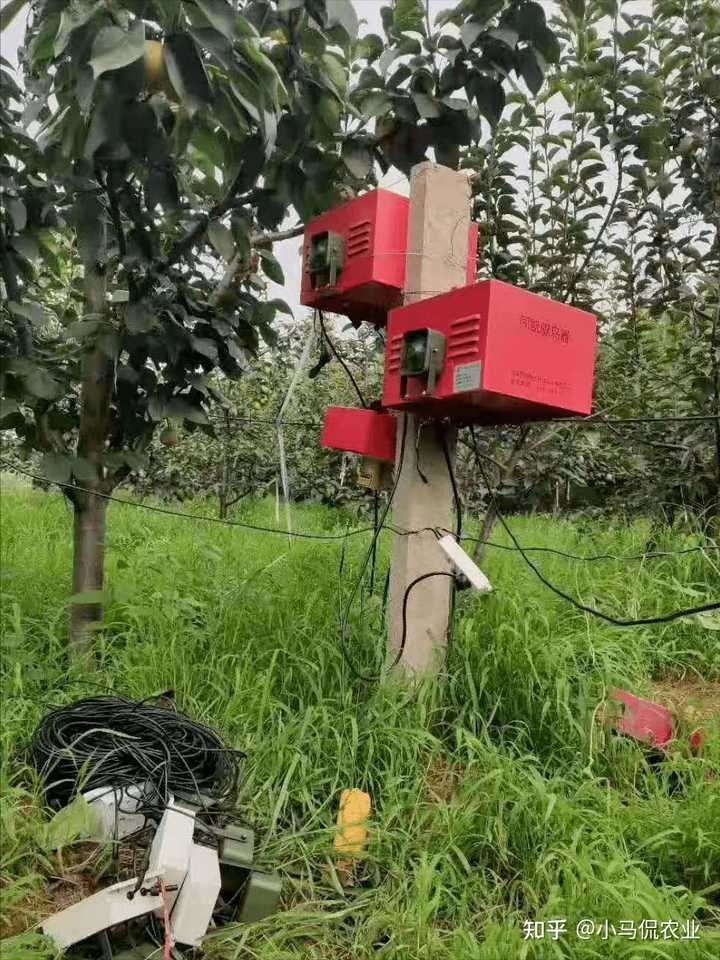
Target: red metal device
{"x":355,"y":257}
{"x":370,"y":433}
{"x":490,"y":353}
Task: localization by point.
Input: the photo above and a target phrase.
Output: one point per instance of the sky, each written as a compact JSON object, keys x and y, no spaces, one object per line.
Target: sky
{"x":288,"y":252}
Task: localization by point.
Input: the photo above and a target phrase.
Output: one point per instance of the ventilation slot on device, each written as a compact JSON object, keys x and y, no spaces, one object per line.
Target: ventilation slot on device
{"x":464,"y":340}
{"x":358,"y":239}
{"x":395,"y":353}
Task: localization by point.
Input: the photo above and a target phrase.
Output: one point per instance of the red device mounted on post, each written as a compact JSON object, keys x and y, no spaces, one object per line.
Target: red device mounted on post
{"x":370,"y":433}
{"x":355,"y":257}
{"x":490,"y":353}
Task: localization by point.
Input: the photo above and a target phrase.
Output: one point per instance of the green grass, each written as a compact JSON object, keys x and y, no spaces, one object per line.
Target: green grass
{"x":547,"y":815}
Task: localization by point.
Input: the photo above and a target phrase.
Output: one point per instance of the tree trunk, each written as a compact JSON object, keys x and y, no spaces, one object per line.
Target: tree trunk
{"x":715,"y":367}
{"x":505,"y":474}
{"x":96,"y":392}
{"x":488,"y":525}
{"x":88,"y":571}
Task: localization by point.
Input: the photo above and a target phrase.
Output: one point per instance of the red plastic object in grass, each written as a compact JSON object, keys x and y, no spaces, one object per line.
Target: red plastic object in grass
{"x":644,"y":720}
{"x":697,"y":741}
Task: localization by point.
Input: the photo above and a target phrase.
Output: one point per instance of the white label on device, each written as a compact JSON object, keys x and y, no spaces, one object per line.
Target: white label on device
{"x":467,"y":377}
{"x":464,"y":563}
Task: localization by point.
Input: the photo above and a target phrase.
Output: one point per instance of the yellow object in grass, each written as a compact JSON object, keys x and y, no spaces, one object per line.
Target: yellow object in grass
{"x":351,"y":837}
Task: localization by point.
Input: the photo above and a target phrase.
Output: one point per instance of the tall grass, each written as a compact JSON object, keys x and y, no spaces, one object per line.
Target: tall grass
{"x":498,"y":794}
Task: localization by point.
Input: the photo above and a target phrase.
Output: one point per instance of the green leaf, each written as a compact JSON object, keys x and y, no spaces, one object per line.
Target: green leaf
{"x":456,"y":103}
{"x":39,"y":382}
{"x":506,"y":36}
{"x":335,"y":72}
{"x":77,"y":821}
{"x":710,"y":621}
{"x":530,"y":68}
{"x":388,"y":57}
{"x":9,"y":11}
{"x":271,"y":266}
{"x":89,"y":597}
{"x":220,"y":14}
{"x":376,"y":104}
{"x":83,"y":470}
{"x":41,"y":48}
{"x":409,"y":15}
{"x":530,"y":21}
{"x":469,"y":32}
{"x":281,"y":306}
{"x":139,"y":318}
{"x":104,"y":132}
{"x":221,"y":238}
{"x":252,"y":49}
{"x":56,"y":468}
{"x":18,"y":213}
{"x":82,"y":329}
{"x":161,"y":189}
{"x":71,"y":19}
{"x":358,"y":158}
{"x":426,"y":105}
{"x":9,"y":407}
{"x":178,"y":408}
{"x":548,"y":45}
{"x":34,"y":312}
{"x":369,"y":48}
{"x":488,"y":94}
{"x":205,"y":347}
{"x":186,"y":71}
{"x":342,"y":13}
{"x":114,"y":48}
{"x":87,"y":218}
{"x":327,"y":110}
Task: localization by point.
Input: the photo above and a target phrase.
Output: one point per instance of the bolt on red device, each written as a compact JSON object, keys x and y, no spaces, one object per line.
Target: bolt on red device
{"x":490,"y":353}
{"x":355,"y":257}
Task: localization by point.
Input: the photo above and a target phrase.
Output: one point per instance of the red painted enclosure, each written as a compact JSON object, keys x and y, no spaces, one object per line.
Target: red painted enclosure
{"x":367,"y":432}
{"x":505,"y":356}
{"x":373,"y":232}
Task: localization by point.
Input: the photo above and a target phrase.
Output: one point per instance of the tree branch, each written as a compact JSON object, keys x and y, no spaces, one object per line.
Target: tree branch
{"x":264,"y":240}
{"x":257,"y":240}
{"x":186,"y":243}
{"x":22,"y":324}
{"x":596,"y":242}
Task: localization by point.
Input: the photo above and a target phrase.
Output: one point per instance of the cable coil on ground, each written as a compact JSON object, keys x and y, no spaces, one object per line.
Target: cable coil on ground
{"x":110,"y":741}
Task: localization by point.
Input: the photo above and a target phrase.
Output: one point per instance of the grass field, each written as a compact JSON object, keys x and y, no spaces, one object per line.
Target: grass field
{"x":499,"y":794}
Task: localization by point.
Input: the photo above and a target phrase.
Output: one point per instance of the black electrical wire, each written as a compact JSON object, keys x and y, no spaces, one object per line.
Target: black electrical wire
{"x":268,"y":421}
{"x":652,"y":555}
{"x":406,"y":596}
{"x":338,"y":356}
{"x":425,"y":576}
{"x":585,"y":608}
{"x":607,"y":421}
{"x":186,"y":516}
{"x":376,"y":528}
{"x":113,"y":742}
{"x":456,"y":493}
{"x":344,"y":616}
{"x":256,"y":528}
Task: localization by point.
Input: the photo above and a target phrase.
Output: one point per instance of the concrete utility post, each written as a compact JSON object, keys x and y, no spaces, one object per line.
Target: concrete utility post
{"x":436,"y":263}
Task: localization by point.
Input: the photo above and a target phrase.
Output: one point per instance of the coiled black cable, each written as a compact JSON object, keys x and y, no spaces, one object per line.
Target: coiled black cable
{"x":110,"y":741}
